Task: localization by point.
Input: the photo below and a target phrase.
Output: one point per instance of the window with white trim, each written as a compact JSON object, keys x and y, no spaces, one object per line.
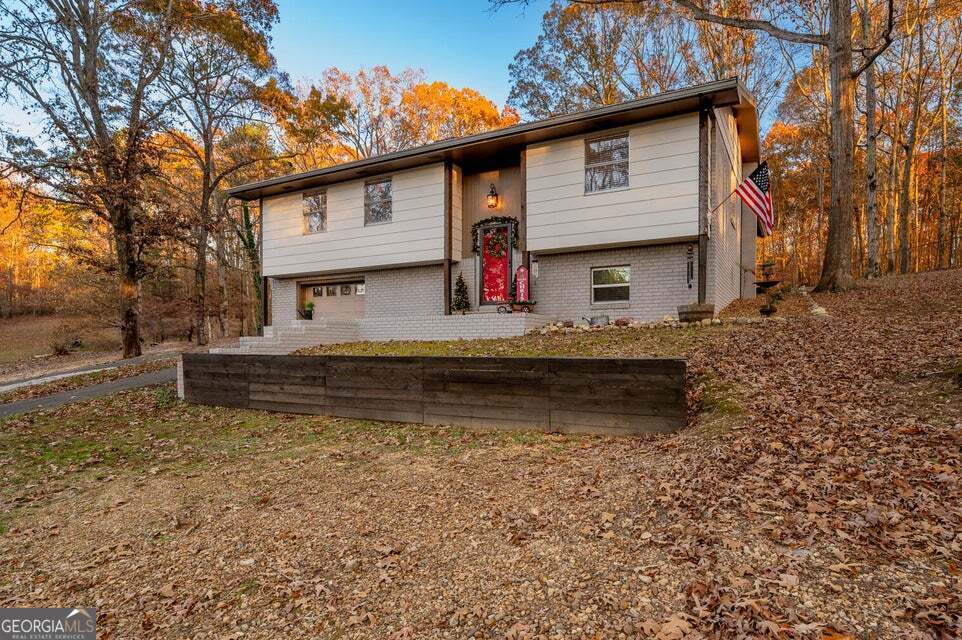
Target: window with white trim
{"x":314,"y":207}
{"x":377,"y":202}
{"x":610,"y":284}
{"x":606,"y":163}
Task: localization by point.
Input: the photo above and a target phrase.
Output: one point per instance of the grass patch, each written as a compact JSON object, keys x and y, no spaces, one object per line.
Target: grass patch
{"x":657,"y":342}
{"x":720,"y":406}
{"x":146,"y":430}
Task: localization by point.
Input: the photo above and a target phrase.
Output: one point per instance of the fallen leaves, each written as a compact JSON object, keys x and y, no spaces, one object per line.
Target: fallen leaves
{"x":830,"y":500}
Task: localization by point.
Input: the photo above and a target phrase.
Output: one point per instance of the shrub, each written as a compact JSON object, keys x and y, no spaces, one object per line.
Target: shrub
{"x":622,"y":322}
{"x":67,"y":336}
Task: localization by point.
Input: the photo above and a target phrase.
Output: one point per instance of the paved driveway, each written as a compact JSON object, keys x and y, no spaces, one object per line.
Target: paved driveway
{"x":104,"y":388}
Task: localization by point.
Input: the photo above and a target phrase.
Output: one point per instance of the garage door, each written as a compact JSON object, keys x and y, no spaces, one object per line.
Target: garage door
{"x":335,"y":299}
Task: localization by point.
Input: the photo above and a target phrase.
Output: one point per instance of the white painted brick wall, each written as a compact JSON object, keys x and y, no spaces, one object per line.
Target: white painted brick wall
{"x":453,"y":327}
{"x":413,"y":291}
{"x":283,"y":302}
{"x":658,"y":283}
{"x":724,"y":251}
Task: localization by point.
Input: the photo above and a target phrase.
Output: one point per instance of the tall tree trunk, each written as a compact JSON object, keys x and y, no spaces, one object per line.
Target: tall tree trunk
{"x":249,"y":239}
{"x":201,"y":236}
{"x":890,"y":206}
{"x":908,"y":168}
{"x":223,"y":272}
{"x":871,"y":143}
{"x":127,"y":266}
{"x":905,"y":203}
{"x":941,"y":261}
{"x":11,"y":283}
{"x":837,"y":266}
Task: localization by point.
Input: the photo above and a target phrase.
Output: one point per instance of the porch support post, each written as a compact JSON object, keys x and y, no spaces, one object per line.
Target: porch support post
{"x":265,"y":308}
{"x":704,"y":187}
{"x":448,"y":177}
{"x":523,"y":218}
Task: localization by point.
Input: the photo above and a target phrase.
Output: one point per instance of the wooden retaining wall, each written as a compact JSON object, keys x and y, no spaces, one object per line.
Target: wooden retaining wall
{"x":572,"y":395}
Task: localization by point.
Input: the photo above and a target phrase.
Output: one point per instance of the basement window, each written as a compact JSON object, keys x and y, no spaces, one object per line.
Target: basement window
{"x":606,"y":163}
{"x":610,"y":284}
{"x":314,"y":207}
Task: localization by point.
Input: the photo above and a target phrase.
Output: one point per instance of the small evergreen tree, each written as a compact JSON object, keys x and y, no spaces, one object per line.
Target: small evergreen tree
{"x":461,"y":302}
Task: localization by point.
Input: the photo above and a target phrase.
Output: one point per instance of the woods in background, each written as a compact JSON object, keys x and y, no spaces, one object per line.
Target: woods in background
{"x":865,"y":154}
{"x":145,"y":113}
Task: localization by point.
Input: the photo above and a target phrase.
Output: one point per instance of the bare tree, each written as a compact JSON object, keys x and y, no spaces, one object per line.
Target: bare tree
{"x":87,"y":69}
{"x":841,"y":47}
{"x":871,"y":147}
{"x":213,"y":87}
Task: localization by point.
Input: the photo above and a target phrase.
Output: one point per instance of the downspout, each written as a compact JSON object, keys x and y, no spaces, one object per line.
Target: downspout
{"x":448,"y":176}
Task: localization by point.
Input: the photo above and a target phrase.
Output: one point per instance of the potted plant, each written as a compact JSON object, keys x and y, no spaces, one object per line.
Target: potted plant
{"x":309,"y":311}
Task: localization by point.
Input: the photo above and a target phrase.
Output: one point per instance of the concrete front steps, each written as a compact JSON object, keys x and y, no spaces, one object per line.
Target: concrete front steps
{"x":306,"y":333}
{"x":303,"y":333}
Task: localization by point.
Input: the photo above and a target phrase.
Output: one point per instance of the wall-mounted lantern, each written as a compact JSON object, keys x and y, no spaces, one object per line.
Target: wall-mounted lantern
{"x":492,"y":198}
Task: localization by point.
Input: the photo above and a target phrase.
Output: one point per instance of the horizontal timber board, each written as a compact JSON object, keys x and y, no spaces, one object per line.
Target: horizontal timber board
{"x":522,"y":414}
{"x":483,"y":423}
{"x":589,"y":395}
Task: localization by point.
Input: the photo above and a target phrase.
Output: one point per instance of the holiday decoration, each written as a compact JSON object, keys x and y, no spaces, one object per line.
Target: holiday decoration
{"x":521,"y":283}
{"x":495,"y":266}
{"x":460,"y":302}
{"x":490,"y":222}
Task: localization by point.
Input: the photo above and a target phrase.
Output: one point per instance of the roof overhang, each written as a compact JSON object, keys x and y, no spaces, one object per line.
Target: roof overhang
{"x":510,"y":140}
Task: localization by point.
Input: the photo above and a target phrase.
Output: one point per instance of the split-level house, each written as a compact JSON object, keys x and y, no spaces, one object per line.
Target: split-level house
{"x":618,"y":211}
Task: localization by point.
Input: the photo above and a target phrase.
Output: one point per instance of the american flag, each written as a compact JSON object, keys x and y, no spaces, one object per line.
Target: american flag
{"x":755,"y":194}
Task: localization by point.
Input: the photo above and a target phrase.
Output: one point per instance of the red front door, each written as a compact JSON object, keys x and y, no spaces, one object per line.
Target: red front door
{"x":495,"y":265}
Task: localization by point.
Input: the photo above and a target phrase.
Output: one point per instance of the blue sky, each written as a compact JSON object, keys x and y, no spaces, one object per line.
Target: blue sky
{"x":458,"y":41}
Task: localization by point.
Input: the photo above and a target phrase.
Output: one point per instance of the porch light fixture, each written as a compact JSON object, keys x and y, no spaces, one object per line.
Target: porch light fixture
{"x":492,"y":198}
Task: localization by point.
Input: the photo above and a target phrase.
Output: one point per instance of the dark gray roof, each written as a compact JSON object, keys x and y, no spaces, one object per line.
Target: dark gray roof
{"x":499,"y":142}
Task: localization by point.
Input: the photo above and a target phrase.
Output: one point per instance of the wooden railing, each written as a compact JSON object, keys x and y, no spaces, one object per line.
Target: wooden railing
{"x":572,"y":395}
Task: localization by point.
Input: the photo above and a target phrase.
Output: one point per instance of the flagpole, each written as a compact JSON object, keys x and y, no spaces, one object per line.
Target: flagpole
{"x":723,"y":201}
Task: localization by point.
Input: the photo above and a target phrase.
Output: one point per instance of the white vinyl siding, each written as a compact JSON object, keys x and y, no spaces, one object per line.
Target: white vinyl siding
{"x":457,"y":215}
{"x":661,"y":202}
{"x":415,"y":235}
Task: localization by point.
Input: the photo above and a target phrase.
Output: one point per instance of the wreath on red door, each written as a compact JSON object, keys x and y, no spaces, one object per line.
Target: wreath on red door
{"x":496,"y":245}
{"x":493,"y":220}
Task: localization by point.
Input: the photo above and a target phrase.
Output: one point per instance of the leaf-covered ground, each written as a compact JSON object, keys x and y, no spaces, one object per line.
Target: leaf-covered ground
{"x":816,"y":494}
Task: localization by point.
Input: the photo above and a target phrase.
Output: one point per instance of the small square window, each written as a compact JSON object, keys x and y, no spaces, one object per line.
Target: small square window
{"x":359,"y":289}
{"x":377,"y":202}
{"x":606,"y":163}
{"x":314,"y":207}
{"x":346,"y":289}
{"x":318,"y":292}
{"x":610,"y":284}
{"x":331,"y":290}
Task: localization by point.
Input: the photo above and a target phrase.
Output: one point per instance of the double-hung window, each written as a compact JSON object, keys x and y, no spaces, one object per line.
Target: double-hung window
{"x":606,"y":163}
{"x":610,"y":284}
{"x":377,"y":202}
{"x":314,"y":207}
